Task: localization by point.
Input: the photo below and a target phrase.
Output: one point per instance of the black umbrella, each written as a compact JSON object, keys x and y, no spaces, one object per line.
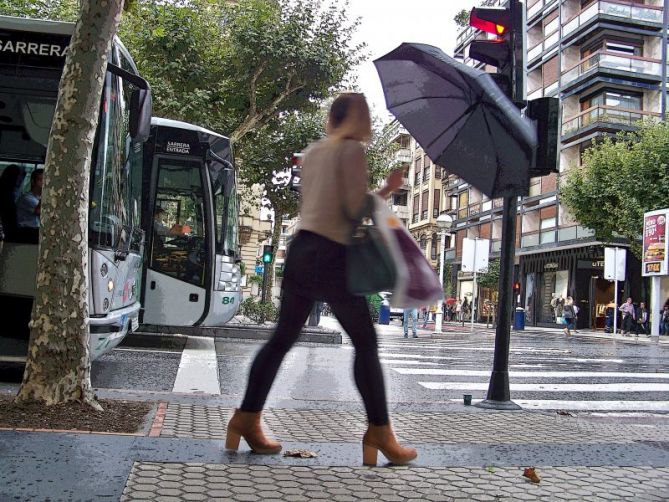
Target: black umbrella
{"x":460,"y":117}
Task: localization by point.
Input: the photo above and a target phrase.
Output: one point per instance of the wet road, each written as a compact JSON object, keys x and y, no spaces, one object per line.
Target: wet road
{"x":547,"y":371}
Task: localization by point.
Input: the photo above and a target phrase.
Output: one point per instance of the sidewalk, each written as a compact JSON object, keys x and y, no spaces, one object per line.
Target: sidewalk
{"x":466,"y":454}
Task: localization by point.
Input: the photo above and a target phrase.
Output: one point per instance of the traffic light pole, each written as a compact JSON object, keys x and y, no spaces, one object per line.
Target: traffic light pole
{"x":499,"y":395}
{"x":264,"y":283}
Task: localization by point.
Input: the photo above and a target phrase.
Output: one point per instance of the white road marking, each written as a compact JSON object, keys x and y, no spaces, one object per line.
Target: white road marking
{"x":540,"y":404}
{"x":557,"y":387}
{"x":419,"y":356}
{"x":126,"y":349}
{"x":531,"y":374}
{"x":409,"y":362}
{"x":474,"y":349}
{"x":198,"y":369}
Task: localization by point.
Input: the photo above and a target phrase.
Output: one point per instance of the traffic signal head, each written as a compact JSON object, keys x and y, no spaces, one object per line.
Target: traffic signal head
{"x":545,"y":114}
{"x":506,"y":51}
{"x":267,"y":253}
{"x":516,"y":287}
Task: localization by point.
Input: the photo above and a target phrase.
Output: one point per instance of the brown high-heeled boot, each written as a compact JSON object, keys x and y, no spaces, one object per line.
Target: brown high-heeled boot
{"x":246,"y":424}
{"x":382,"y":437}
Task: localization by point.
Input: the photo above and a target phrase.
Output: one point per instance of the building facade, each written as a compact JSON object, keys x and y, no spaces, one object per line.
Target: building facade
{"x":602,"y":59}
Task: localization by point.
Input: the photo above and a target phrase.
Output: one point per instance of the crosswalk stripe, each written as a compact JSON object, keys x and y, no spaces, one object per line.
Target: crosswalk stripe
{"x":433,"y":346}
{"x":547,"y":404}
{"x":420,"y":356}
{"x":557,"y":387}
{"x":410,"y":363}
{"x":531,"y":374}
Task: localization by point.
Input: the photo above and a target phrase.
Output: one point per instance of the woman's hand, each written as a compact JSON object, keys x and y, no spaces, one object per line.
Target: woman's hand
{"x":393,"y":182}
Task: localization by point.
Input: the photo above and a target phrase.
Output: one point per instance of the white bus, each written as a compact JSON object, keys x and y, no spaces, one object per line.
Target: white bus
{"x":32,"y":56}
{"x":191,"y":272}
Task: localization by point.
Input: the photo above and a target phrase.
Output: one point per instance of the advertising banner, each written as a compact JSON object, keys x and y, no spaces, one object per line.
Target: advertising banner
{"x":654,"y":258}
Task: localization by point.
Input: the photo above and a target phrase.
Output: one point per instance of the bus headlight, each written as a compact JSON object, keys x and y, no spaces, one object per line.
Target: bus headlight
{"x":103,"y":270}
{"x":110,"y":286}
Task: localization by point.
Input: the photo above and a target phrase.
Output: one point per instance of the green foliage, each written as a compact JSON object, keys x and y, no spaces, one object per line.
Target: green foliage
{"x":374,"y":303}
{"x":235,"y":66}
{"x":449,"y":289}
{"x":620,"y":179}
{"x":255,"y":279}
{"x":57,"y":10}
{"x":462,"y":18}
{"x":380,"y":156}
{"x":270,"y":150}
{"x":490,"y":278}
{"x":259,"y":312}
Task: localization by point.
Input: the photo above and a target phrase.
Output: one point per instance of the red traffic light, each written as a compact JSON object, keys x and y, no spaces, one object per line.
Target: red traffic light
{"x":516,"y":286}
{"x":495,"y":21}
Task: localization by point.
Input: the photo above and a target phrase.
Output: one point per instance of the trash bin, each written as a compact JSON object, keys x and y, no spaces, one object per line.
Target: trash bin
{"x":519,"y":319}
{"x":384,"y":313}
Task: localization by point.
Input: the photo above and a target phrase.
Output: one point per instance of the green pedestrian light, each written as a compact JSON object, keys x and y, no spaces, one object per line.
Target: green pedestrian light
{"x":267,"y":253}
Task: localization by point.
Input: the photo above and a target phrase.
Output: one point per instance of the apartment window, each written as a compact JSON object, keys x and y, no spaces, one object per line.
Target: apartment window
{"x":609,"y":98}
{"x":463,"y":202}
{"x":434,"y":247}
{"x":416,"y":201}
{"x":423,"y":242}
{"x":437,"y":172}
{"x":424,"y":205}
{"x":547,"y":223}
{"x":550,"y":71}
{"x":400,"y":199}
{"x":436,"y":203}
{"x":426,"y":174}
{"x":454,"y":201}
{"x":417,"y":172}
{"x":426,"y":161}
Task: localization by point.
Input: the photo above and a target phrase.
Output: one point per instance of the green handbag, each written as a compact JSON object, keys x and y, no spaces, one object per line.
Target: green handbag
{"x":369,"y":266}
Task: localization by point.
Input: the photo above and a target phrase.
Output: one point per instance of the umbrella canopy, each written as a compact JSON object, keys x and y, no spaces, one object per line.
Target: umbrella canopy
{"x":460,"y":118}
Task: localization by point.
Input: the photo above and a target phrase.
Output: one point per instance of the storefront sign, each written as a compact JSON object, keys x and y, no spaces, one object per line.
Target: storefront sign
{"x":654,"y":258}
{"x":551,"y":266}
{"x":590,"y":264}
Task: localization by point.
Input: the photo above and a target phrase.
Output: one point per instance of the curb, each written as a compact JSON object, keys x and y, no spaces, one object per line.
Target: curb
{"x":240,"y":331}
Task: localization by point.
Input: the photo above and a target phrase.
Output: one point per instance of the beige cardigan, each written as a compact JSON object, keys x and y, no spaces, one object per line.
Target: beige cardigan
{"x":334,"y":184}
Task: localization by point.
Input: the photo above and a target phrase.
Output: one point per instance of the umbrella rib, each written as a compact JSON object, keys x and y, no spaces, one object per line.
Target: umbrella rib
{"x":424,"y":97}
{"x":464,"y":114}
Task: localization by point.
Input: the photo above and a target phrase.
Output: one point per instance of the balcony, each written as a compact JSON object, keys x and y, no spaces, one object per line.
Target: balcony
{"x":607,"y":117}
{"x":402,"y":212}
{"x":403,"y":156}
{"x":618,"y":10}
{"x":543,"y":46}
{"x":608,"y":61}
{"x":395,"y":130}
{"x":538,"y":7}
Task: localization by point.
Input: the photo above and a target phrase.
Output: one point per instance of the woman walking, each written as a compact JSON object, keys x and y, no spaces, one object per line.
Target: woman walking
{"x":334,"y":191}
{"x":569,"y":314}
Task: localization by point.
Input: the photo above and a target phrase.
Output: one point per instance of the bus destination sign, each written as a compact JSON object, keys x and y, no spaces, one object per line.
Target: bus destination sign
{"x":44,"y":50}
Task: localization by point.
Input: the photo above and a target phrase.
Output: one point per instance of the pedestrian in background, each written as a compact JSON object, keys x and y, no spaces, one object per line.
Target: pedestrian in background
{"x":410,"y":315}
{"x":426,"y":316}
{"x":569,"y":315}
{"x":629,"y":315}
{"x":664,"y":320}
{"x":315,"y":270}
{"x":642,"y":319}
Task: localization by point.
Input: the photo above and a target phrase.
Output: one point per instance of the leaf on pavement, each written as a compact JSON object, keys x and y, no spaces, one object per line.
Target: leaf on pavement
{"x":300,"y":453}
{"x":565,"y":413}
{"x":531,"y":474}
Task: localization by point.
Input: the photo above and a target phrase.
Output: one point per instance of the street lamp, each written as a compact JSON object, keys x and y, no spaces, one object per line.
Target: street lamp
{"x":444,"y":222}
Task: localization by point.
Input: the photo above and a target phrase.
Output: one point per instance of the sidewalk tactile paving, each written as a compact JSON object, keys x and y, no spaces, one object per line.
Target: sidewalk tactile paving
{"x":314,"y":426}
{"x":394,"y":483}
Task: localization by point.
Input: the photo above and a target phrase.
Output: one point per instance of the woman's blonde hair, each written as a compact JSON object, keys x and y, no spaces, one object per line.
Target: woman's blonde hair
{"x":349,"y":117}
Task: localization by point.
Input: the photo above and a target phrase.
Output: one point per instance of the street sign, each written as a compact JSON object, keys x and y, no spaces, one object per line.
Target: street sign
{"x":475,"y":255}
{"x":615,"y":260}
{"x":260,"y":269}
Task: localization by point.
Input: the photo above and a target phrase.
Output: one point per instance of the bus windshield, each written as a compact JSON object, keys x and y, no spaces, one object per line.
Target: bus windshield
{"x":115,"y":197}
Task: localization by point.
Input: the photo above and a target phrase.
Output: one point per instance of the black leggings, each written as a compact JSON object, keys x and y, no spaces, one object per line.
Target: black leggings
{"x":353,"y":315}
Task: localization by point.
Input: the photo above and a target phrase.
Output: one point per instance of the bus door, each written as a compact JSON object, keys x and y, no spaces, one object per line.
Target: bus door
{"x":177,"y":278}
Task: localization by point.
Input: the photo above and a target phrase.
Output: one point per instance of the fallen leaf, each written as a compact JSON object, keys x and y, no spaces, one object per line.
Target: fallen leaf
{"x":300,"y":453}
{"x":564,"y":413}
{"x":531,"y":474}
{"x":490,"y":469}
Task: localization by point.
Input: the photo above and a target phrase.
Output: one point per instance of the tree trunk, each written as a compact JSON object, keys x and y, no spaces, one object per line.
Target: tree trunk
{"x":58,"y":365}
{"x":276,"y":237}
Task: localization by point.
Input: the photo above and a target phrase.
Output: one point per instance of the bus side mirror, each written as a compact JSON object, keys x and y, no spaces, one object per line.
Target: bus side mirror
{"x":141,"y":108}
